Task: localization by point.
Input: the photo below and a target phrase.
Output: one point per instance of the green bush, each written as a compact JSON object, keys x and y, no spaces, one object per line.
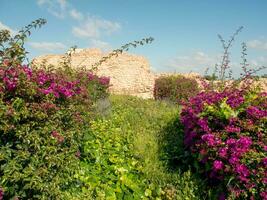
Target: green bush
{"x":38,"y":146}
{"x":175,"y":88}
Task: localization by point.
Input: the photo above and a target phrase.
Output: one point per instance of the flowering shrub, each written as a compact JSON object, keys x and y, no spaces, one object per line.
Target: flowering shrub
{"x":226,"y":131}
{"x":226,"y":134}
{"x":42,"y":118}
{"x":175,"y":88}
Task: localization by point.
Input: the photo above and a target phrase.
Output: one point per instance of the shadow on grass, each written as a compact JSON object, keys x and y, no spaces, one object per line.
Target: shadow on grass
{"x":172,"y":151}
{"x":178,"y":161}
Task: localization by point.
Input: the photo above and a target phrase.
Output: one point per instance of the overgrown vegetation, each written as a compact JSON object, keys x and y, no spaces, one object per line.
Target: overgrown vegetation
{"x":126,"y":154}
{"x":225,"y":132}
{"x":64,"y":137}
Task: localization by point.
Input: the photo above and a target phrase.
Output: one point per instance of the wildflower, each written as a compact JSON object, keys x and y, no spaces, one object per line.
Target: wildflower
{"x":245,"y":141}
{"x":217,"y":165}
{"x":264,"y":195}
{"x":28,"y":71}
{"x":203,"y":123}
{"x":10,"y":83}
{"x":256,"y":112}
{"x":233,"y":160}
{"x":231,"y":141}
{"x":104,"y":80}
{"x":42,"y":78}
{"x":210,"y":139}
{"x":1,"y":193}
{"x":242,"y":170}
{"x":223,"y":152}
{"x":235,"y":100}
{"x":91,"y":76}
{"x":232,"y":129}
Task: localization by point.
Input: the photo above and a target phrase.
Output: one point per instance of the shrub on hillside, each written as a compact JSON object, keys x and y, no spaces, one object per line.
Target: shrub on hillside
{"x":42,"y":114}
{"x":175,"y":88}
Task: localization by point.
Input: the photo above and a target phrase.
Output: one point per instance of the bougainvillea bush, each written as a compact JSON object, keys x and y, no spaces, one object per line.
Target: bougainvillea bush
{"x":226,"y":134}
{"x":175,"y":88}
{"x":42,"y":113}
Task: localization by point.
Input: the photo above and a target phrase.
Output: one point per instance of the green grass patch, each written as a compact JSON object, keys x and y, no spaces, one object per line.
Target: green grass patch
{"x":129,"y":153}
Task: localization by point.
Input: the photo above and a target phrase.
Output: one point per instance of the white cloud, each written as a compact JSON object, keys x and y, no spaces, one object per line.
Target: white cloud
{"x":47,"y":46}
{"x":257,"y":44}
{"x":90,"y":27}
{"x":5,"y":27}
{"x":76,"y":14}
{"x":200,"y":61}
{"x":196,"y":62}
{"x":94,"y":27}
{"x":104,"y":46}
{"x":258,"y":62}
{"x":62,"y":3}
{"x":55,"y":7}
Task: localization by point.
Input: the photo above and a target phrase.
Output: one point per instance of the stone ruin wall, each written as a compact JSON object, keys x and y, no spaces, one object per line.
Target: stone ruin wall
{"x":129,"y":74}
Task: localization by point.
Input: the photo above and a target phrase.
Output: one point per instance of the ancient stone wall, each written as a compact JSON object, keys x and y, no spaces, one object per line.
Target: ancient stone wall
{"x":129,"y":74}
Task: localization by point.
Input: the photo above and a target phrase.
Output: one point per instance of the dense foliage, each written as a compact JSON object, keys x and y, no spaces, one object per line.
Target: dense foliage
{"x":175,"y":88}
{"x":226,"y":132}
{"x":63,"y":137}
{"x":122,"y":157}
{"x":40,"y":125}
{"x":41,"y":116}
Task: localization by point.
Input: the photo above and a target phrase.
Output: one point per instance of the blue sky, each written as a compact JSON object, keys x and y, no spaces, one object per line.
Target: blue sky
{"x":185,"y":31}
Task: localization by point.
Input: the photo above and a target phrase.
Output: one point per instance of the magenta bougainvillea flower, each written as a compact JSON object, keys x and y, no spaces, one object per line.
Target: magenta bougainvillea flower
{"x":217,"y":165}
{"x":231,"y":128}
{"x":48,"y":83}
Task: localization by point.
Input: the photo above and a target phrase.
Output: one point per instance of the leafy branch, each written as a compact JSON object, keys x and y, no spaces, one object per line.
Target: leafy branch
{"x":12,"y":48}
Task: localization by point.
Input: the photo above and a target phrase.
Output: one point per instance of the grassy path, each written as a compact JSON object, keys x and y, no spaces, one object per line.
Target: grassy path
{"x":130,"y":153}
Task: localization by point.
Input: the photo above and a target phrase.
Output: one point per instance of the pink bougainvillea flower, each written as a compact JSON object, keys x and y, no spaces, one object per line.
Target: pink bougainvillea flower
{"x":104,"y":80}
{"x":223,"y":152}
{"x":217,"y":165}
{"x":232,"y":129}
